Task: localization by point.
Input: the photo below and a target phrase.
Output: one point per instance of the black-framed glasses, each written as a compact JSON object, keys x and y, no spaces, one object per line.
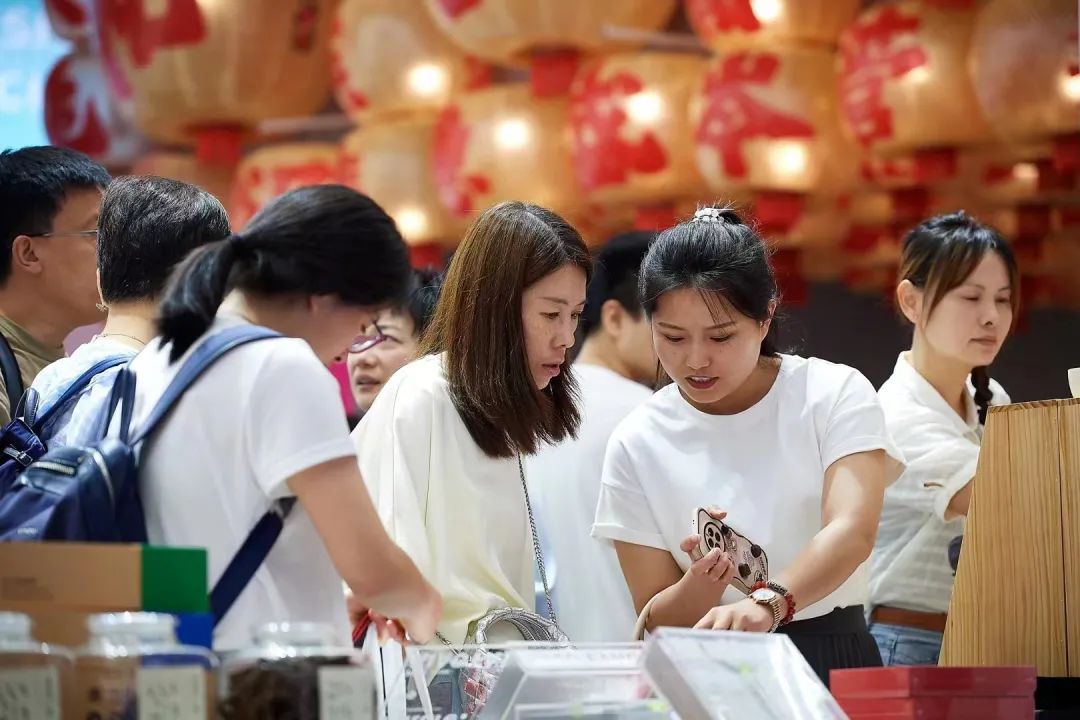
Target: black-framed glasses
{"x":82,"y":233}
{"x":363,"y":343}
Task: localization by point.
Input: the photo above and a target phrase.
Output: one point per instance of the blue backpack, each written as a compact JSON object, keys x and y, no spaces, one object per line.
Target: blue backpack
{"x":91,"y":494}
{"x":20,"y":440}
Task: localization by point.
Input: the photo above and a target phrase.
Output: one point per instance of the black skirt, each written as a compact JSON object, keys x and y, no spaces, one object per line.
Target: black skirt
{"x":835,"y":641}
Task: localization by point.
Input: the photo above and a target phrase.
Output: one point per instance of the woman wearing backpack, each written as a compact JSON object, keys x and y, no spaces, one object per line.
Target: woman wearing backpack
{"x":265,"y":422}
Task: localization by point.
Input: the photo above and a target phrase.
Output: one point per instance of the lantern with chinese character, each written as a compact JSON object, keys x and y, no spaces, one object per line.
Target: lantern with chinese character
{"x":276,"y":169}
{"x":391,"y":162}
{"x":80,"y":114}
{"x":205,"y":71}
{"x":767,"y":122}
{"x":185,"y":167}
{"x":70,"y":19}
{"x":631,"y":134}
{"x":740,"y":24}
{"x":1026,"y":72}
{"x":509,"y":31}
{"x":904,"y":84}
{"x":388,"y":57}
{"x":504,"y":144}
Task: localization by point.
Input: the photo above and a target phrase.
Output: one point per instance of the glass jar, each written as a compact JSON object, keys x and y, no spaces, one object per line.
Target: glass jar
{"x":35,"y":678}
{"x":295,"y":670}
{"x":132,"y":666}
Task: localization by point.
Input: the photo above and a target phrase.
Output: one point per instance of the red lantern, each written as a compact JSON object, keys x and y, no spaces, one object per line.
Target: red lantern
{"x":70,"y":19}
{"x":275,"y":169}
{"x":509,"y":31}
{"x":427,"y":69}
{"x":735,"y":24}
{"x":904,"y":84}
{"x":79,"y":113}
{"x":631,"y":134}
{"x":1026,"y":72}
{"x":485,"y":141}
{"x":206,"y":71}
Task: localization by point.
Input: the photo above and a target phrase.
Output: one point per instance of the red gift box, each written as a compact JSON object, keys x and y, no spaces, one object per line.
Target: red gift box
{"x":939,"y":708}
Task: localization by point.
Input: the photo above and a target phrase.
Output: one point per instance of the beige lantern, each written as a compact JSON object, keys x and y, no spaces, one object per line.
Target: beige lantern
{"x":509,"y":31}
{"x":276,"y":169}
{"x":1026,"y":71}
{"x":185,"y":167}
{"x":904,"y":83}
{"x":205,"y":71}
{"x":389,"y":58}
{"x":81,"y":115}
{"x":768,"y":121}
{"x":735,"y":24}
{"x":504,"y":144}
{"x":391,"y":162}
{"x":631,"y":133}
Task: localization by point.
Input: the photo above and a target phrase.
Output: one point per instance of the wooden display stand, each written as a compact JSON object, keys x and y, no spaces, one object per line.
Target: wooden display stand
{"x":1017,"y":595}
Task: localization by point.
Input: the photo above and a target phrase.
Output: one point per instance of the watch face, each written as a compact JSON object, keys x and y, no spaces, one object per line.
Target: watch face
{"x":763,"y":595}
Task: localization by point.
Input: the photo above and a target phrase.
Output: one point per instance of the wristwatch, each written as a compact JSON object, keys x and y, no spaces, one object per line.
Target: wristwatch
{"x":773,"y":600}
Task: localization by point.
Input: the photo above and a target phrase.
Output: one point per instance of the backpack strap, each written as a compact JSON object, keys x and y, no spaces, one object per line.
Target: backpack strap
{"x":77,"y":386}
{"x":123,"y":394}
{"x":205,"y":354}
{"x":249,"y":558}
{"x":9,"y":368}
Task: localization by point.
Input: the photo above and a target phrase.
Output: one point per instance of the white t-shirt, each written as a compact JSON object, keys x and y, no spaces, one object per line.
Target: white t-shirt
{"x":261,"y":414}
{"x":910,"y":565}
{"x":590,"y":593}
{"x":764,"y":466}
{"x":459,"y":514}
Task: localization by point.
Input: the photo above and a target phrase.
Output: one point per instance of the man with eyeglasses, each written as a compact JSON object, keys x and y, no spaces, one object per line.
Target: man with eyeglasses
{"x":49,"y":203}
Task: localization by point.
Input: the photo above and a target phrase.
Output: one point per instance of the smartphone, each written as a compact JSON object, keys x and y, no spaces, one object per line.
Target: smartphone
{"x":751,"y":562}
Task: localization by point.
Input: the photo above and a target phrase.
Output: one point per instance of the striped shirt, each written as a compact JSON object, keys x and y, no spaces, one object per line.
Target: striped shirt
{"x":909,"y":567}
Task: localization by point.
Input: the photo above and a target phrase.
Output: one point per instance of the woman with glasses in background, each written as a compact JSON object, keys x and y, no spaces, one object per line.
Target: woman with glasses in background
{"x":391,"y":341}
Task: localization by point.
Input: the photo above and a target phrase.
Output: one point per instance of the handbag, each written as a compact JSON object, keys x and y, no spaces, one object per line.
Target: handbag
{"x":481,"y":667}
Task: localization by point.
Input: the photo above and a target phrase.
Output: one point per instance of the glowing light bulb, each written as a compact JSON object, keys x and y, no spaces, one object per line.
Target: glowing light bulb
{"x":513,"y":134}
{"x":411,"y":221}
{"x":767,"y":11}
{"x":788,"y":158}
{"x":645,"y":107}
{"x":1070,"y":87}
{"x":427,"y":79}
{"x":1025,"y":172}
{"x":918,"y":75}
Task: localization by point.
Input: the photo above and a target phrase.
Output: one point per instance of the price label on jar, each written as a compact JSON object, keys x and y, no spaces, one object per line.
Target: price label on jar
{"x":170,"y":693}
{"x":30,"y":694}
{"x":346,"y":693}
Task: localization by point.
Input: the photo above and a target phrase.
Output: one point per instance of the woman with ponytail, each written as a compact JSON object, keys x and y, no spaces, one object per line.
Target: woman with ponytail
{"x":266,"y":422}
{"x":959,"y":288}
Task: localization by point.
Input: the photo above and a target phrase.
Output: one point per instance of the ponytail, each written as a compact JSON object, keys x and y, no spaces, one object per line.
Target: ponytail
{"x":194,"y":294}
{"x":980,"y":379}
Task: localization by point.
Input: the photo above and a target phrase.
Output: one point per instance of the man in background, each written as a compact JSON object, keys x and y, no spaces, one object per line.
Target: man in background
{"x":615,"y":370}
{"x":49,"y":203}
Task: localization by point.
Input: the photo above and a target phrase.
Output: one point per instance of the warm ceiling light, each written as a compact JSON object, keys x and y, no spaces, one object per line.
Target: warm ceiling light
{"x":513,"y":134}
{"x":788,"y":158}
{"x":767,"y":11}
{"x":918,"y":75}
{"x":427,"y":79}
{"x":1070,"y":87}
{"x":645,"y":107}
{"x":411,"y":221}
{"x":1025,"y":172}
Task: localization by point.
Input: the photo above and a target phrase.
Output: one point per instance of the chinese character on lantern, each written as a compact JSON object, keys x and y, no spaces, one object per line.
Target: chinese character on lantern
{"x":457,"y":193}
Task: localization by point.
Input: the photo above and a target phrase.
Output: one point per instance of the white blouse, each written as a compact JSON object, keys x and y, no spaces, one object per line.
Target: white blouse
{"x":459,"y":514}
{"x":909,"y":567}
{"x":765,"y":466}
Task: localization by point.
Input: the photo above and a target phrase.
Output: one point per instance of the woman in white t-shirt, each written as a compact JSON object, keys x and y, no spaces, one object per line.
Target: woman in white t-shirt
{"x":441,"y":446}
{"x":266,"y":421}
{"x":793,"y":450}
{"x":959,"y":289}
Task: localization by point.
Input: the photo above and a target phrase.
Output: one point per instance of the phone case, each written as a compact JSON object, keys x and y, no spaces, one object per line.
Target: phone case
{"x":751,"y":562}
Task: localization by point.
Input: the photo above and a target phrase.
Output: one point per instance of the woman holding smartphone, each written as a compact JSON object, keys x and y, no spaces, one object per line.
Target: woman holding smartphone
{"x":794,"y":450}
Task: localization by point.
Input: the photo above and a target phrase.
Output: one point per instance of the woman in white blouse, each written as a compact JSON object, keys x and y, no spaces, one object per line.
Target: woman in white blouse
{"x":793,"y":449}
{"x":959,"y":289}
{"x":441,"y":446}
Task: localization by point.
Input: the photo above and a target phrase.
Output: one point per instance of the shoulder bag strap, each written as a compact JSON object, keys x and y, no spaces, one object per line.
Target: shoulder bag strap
{"x":9,"y":368}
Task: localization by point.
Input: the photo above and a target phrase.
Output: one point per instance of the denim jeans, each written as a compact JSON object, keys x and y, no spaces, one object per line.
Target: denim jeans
{"x":900,"y":645}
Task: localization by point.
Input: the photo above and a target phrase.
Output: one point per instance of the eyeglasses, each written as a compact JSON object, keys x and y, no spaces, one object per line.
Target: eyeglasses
{"x":363,"y":343}
{"x":82,"y":233}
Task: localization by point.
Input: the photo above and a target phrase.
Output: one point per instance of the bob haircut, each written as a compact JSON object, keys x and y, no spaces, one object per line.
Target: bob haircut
{"x":478,"y":325}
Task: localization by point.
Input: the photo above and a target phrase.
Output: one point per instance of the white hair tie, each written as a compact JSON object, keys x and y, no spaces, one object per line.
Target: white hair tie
{"x":709,"y":215}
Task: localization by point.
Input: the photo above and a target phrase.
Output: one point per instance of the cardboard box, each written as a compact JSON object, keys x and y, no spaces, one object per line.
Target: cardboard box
{"x":60,"y":584}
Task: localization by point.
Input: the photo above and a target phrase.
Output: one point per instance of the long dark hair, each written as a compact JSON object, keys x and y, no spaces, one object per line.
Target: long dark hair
{"x":940,"y":254}
{"x":478,"y":325}
{"x":317,"y":240}
{"x":721,"y":257}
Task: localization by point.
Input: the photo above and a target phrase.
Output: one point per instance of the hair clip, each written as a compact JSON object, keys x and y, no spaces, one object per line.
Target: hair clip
{"x":709,"y":215}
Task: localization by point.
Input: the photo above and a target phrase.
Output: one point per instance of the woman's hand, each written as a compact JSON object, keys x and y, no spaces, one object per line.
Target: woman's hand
{"x":714,"y":568}
{"x":745,"y":615}
{"x":418,"y":629}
